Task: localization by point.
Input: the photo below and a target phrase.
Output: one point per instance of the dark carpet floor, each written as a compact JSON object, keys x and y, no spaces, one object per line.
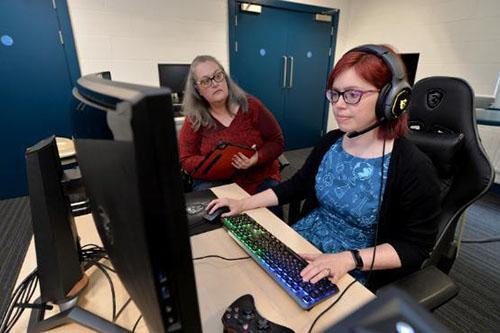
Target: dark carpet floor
{"x":15,"y":235}
{"x":476,"y":270}
{"x":477,"y":273}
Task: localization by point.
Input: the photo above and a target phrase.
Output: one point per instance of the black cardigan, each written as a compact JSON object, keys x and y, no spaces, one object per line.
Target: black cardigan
{"x":410,"y":204}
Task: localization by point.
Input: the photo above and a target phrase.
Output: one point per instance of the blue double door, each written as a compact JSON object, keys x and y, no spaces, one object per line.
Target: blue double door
{"x":36,"y":78}
{"x":283,"y":57}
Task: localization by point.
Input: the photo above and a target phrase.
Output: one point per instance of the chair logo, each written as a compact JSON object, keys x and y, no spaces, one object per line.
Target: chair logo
{"x":434,"y":98}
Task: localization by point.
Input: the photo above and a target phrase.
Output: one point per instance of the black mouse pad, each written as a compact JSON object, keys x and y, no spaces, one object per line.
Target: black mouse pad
{"x":195,"y":207}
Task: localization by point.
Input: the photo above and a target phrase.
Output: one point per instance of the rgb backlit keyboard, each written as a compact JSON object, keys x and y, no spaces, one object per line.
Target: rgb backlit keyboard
{"x":279,"y":261}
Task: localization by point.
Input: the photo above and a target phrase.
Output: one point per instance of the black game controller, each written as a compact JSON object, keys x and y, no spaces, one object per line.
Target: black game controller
{"x":242,"y":316}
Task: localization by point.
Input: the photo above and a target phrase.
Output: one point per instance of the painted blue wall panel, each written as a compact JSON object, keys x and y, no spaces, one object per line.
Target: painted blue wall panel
{"x":308,"y":41}
{"x":35,"y":84}
{"x":258,"y":43}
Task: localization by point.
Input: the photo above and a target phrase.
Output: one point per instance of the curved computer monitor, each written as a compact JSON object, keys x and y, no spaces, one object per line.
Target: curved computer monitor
{"x":131,"y":172}
{"x":410,"y":61}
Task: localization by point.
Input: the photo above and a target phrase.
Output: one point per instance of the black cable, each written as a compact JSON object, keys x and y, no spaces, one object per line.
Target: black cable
{"x":220,"y":257}
{"x":481,"y":241}
{"x":122,"y":308}
{"x":19,"y":303}
{"x":111,"y":285}
{"x":91,"y":245}
{"x":107,"y":267}
{"x":96,"y":250}
{"x":93,"y":249}
{"x":330,"y":306}
{"x":91,"y":255}
{"x":94,"y":253}
{"x":10,"y":319}
{"x":378,"y":213}
{"x":136,"y":323}
{"x":6,"y":320}
{"x":30,"y":290}
{"x":21,"y":295}
{"x":374,"y":246}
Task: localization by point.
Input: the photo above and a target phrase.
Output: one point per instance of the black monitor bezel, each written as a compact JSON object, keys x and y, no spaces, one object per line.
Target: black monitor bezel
{"x":164,"y":81}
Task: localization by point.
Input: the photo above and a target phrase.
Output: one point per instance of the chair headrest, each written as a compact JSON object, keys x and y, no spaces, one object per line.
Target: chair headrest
{"x":443,"y":104}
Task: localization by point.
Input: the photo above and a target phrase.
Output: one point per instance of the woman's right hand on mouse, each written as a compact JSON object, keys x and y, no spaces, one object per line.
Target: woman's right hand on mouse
{"x":235,"y":206}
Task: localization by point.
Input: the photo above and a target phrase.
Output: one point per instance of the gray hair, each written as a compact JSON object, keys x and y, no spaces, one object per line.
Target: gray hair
{"x":196,"y":106}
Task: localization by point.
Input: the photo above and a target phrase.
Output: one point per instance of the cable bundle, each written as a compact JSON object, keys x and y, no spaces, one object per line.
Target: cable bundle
{"x":90,"y":255}
{"x":19,"y":301}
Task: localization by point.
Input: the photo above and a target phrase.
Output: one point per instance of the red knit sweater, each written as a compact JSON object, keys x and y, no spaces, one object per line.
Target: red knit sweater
{"x":257,"y":126}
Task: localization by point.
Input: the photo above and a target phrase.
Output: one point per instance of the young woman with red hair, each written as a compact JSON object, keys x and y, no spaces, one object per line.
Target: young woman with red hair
{"x":370,"y":200}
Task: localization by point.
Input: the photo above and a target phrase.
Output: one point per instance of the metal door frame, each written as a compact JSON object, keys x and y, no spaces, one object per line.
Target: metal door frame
{"x":334,"y":12}
{"x":69,"y":47}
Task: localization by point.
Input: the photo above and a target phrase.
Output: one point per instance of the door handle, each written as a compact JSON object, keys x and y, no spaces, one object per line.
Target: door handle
{"x":285,"y":63}
{"x":290,"y":84}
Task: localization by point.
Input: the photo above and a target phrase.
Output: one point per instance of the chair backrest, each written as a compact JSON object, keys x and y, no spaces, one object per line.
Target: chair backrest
{"x":443,"y":125}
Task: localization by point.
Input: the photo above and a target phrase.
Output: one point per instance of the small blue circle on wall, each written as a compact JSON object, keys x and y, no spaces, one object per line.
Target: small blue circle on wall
{"x":7,"y":40}
{"x":262,"y":52}
{"x":309,"y":54}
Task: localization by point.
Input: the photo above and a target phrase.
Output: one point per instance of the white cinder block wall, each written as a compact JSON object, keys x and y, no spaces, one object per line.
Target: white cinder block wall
{"x":130,"y":37}
{"x":454,"y":37}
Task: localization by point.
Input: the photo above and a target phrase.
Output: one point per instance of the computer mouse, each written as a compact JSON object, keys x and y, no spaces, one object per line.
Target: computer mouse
{"x":215,"y":216}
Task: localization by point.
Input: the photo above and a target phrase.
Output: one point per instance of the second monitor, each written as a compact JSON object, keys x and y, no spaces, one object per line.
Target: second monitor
{"x":174,"y":77}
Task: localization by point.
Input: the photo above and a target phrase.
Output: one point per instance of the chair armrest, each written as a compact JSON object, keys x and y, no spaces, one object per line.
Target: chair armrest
{"x":283,"y":162}
{"x":430,"y":287}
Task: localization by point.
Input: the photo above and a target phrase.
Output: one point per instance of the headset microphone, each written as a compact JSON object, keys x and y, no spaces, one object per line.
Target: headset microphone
{"x":369,"y":128}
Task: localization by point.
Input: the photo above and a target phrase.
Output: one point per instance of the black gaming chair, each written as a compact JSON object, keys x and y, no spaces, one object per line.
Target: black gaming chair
{"x":443,"y":125}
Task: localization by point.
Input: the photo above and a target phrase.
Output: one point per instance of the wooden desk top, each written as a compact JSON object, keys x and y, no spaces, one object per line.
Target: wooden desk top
{"x":218,"y":282}
{"x":65,"y":147}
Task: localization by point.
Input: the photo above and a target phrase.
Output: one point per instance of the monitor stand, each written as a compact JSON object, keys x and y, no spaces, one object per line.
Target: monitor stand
{"x":70,"y":313}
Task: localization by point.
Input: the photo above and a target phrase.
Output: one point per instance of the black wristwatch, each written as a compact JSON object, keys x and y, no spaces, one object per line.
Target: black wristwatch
{"x":357,"y":259}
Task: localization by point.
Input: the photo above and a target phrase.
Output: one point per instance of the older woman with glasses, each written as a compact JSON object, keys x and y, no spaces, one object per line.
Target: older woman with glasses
{"x":218,"y":110}
{"x":371,"y":199}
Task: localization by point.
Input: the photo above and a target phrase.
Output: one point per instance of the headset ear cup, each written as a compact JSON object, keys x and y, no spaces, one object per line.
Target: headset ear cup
{"x":380,"y":108}
{"x":401,"y":101}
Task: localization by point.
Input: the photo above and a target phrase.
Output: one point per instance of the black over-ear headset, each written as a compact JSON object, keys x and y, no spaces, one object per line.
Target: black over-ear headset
{"x":394,"y":97}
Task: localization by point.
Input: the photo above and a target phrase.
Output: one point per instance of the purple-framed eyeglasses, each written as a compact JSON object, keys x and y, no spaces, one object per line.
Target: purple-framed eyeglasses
{"x":350,"y":96}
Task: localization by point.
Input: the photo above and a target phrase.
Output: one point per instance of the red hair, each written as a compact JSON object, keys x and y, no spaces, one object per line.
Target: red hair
{"x":373,"y":70}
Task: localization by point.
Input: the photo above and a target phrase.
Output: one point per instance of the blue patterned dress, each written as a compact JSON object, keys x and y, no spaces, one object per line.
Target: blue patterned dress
{"x":347,"y":188}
